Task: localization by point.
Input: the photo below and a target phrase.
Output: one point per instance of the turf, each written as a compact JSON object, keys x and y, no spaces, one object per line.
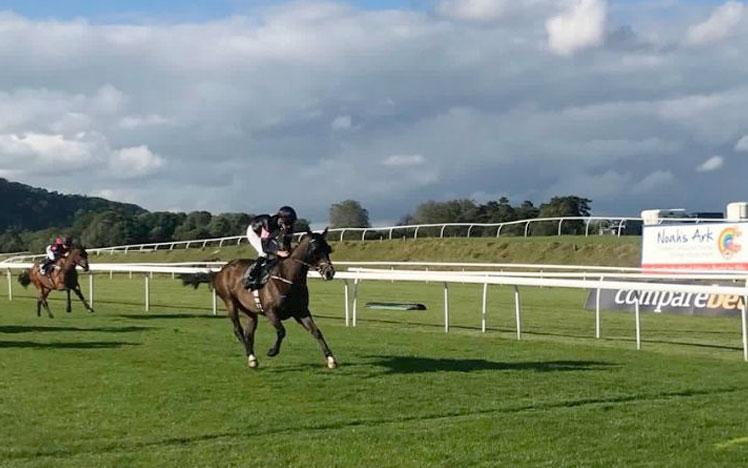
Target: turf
{"x":170,"y":387}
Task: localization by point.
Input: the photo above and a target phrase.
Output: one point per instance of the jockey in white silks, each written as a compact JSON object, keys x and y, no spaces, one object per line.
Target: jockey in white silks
{"x":271,"y":238}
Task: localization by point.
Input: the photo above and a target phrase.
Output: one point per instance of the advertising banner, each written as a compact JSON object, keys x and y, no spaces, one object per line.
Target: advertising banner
{"x":708,"y":246}
{"x":666,"y":302}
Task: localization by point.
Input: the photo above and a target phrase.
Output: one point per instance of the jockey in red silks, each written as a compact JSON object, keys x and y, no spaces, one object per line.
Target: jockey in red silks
{"x":54,"y":251}
{"x":271,"y":236}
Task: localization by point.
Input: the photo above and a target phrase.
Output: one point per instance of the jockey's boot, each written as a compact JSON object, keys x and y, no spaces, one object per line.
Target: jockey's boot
{"x":45,"y":267}
{"x":253,"y":278}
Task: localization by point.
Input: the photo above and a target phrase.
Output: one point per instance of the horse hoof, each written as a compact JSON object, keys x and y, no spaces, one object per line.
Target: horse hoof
{"x":331,"y":364}
{"x":272,"y":352}
{"x":91,"y":311}
{"x":252,"y":362}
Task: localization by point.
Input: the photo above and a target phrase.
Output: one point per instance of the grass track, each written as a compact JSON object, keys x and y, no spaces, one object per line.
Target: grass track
{"x":170,"y":388}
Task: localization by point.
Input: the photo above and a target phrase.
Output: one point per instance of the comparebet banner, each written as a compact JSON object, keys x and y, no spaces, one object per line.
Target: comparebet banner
{"x":709,"y":246}
{"x":666,"y":302}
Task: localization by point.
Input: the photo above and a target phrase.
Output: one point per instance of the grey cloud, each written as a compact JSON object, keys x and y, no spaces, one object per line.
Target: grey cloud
{"x":302,"y":103}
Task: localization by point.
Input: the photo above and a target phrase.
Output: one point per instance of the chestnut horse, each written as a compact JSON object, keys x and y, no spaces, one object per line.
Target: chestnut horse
{"x":63,"y":276}
{"x":285,"y":295}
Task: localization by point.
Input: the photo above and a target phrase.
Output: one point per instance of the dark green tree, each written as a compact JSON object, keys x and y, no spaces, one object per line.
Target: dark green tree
{"x":195,"y":226}
{"x":570,"y":205}
{"x":11,"y":241}
{"x":348,"y":213}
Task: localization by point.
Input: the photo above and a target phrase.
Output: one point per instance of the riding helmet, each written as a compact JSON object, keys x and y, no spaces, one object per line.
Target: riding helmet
{"x":288,"y":214}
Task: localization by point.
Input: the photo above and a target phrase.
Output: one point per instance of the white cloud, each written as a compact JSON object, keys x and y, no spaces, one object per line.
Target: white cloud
{"x":581,"y":26}
{"x":742,"y":144}
{"x":404,"y":160}
{"x":342,"y":122}
{"x":654,"y":182}
{"x":711,"y":164}
{"x":721,"y":24}
{"x":53,"y":151}
{"x":134,"y":162}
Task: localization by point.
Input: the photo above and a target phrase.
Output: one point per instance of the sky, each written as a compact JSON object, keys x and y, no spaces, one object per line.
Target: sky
{"x":234,"y":105}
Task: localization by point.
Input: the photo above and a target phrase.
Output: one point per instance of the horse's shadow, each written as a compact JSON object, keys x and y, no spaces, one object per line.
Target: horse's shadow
{"x":66,"y":345}
{"x":184,"y":315}
{"x":12,"y":329}
{"x":418,"y":365}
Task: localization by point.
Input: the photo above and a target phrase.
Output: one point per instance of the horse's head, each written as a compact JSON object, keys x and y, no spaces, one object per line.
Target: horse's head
{"x":79,"y":256}
{"x":318,"y":253}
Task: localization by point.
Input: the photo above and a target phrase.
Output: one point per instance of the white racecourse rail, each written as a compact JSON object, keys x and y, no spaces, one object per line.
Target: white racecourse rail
{"x":582,"y":278}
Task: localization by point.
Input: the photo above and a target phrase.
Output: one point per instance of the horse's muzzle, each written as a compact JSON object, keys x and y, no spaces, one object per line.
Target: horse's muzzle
{"x":327,"y":271}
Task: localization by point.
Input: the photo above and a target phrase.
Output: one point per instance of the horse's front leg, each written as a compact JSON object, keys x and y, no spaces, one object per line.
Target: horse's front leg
{"x":79,"y":293}
{"x":307,"y":322}
{"x":249,"y":339}
{"x":68,"y":309}
{"x":280,"y":332}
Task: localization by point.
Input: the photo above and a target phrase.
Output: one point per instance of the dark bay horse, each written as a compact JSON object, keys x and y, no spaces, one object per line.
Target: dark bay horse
{"x":63,"y":276}
{"x":285,"y":295}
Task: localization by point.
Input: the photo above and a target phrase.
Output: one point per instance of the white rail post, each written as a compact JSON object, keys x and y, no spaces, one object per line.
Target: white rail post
{"x":10,"y":285}
{"x":347,"y":311}
{"x":446,"y":308}
{"x":517,"y":312}
{"x":355,"y":301}
{"x":485,"y":310}
{"x":597,"y":310}
{"x":215,"y":302}
{"x":111,"y":274}
{"x":90,"y":290}
{"x":147,"y":293}
{"x":638,"y":322}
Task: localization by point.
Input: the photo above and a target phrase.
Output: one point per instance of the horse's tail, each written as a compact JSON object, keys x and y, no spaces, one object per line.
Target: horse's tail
{"x":24,"y":278}
{"x":196,"y":279}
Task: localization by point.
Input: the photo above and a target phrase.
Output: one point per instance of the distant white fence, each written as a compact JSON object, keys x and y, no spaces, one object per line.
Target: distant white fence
{"x":593,"y":225}
{"x":580,"y":279}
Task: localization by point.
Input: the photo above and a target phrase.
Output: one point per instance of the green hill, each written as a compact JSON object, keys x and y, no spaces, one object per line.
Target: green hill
{"x":571,"y":250}
{"x":30,"y":208}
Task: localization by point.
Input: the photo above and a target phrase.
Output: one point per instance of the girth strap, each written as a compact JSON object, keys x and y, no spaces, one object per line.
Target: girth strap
{"x":256,"y":296}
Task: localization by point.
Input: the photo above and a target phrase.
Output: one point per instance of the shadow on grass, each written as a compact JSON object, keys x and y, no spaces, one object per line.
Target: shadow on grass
{"x":67,"y":345}
{"x":415,"y":365}
{"x":35,"y":329}
{"x":184,"y":315}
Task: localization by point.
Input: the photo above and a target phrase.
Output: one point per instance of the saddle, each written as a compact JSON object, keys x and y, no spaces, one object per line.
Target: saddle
{"x":258,"y":273}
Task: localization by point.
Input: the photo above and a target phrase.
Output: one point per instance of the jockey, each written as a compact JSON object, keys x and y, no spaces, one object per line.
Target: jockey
{"x":271,"y":237}
{"x":54,"y":251}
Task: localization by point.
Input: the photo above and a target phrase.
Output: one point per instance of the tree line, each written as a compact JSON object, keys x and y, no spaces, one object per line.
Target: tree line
{"x":100,"y":223}
{"x":350,"y":213}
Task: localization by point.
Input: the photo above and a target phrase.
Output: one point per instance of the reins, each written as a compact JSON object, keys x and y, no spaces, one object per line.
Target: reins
{"x":302,"y":262}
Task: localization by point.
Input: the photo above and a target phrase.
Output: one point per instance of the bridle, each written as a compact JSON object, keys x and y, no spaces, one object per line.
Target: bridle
{"x":320,"y":266}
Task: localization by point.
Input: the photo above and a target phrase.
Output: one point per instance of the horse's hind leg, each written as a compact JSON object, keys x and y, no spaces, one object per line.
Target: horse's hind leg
{"x":79,"y":293}
{"x":307,"y":322}
{"x":68,"y":309}
{"x":42,"y":301}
